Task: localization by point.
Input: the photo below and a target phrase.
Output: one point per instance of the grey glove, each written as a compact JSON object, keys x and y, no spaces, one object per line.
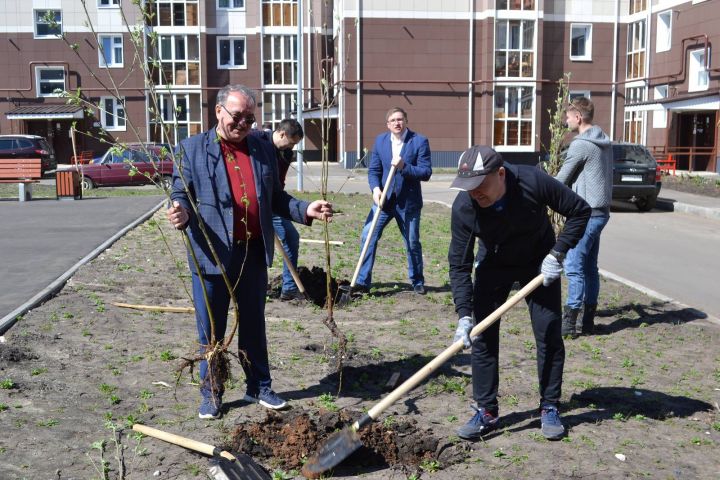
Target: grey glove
{"x":551,"y":269}
{"x":465,"y":324}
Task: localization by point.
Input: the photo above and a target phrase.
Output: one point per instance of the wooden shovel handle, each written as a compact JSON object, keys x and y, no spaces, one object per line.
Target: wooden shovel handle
{"x":293,"y":272}
{"x":431,"y":366}
{"x":201,"y":447}
{"x":364,"y":250}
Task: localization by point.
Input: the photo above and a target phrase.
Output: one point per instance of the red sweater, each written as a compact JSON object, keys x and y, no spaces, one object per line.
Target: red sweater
{"x":246,"y":209}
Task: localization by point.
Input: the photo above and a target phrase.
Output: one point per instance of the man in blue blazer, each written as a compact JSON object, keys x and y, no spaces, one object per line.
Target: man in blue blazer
{"x":225,"y":191}
{"x":409,"y":152}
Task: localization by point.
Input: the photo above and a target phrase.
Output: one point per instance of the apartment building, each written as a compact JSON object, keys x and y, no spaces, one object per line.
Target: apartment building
{"x":466,"y":71}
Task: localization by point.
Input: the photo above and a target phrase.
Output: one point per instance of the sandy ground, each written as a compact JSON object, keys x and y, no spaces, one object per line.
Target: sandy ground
{"x":640,"y":398}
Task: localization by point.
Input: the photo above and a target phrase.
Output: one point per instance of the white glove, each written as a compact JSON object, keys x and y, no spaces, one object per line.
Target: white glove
{"x":377,"y":193}
{"x":465,"y":324}
{"x":550,"y":269}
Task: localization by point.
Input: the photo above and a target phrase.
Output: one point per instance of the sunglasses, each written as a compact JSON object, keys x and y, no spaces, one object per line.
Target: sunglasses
{"x":239,"y":118}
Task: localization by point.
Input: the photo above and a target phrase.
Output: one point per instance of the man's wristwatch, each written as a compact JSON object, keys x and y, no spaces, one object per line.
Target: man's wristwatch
{"x":559,"y":256}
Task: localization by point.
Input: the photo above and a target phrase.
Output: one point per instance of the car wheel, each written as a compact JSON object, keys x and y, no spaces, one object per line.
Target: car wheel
{"x":645,"y":204}
{"x":87,"y":183}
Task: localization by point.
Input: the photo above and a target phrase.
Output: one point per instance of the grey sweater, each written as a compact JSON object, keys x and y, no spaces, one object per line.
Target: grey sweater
{"x":587,"y":168}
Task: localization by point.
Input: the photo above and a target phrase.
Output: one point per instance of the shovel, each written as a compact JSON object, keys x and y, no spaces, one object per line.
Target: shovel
{"x":342,"y":444}
{"x":346,"y":290}
{"x":293,"y":272}
{"x":225,"y":465}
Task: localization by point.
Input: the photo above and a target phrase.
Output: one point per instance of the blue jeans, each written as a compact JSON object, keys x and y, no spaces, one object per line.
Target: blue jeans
{"x":581,"y":265}
{"x":250,"y":291}
{"x":290,"y":239}
{"x":409,"y":223}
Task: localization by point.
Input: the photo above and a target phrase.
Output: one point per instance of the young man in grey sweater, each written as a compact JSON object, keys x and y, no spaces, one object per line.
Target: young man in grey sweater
{"x":587,"y":169}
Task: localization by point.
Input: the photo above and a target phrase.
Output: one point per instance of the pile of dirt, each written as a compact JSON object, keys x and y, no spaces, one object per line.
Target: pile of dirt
{"x":294,"y":436}
{"x":315,"y":282}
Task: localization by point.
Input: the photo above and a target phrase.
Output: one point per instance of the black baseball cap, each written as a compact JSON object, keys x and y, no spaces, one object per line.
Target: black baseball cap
{"x":474,"y":165}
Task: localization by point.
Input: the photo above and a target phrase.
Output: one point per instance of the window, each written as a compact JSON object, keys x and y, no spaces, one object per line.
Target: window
{"x":664,"y":31}
{"x":513,"y":115}
{"x":634,"y":119}
{"x":174,"y":13}
{"x":637,"y":6}
{"x":108,"y":3}
{"x":573,"y":94}
{"x":636,"y":50}
{"x":111,"y":51}
{"x":279,"y":13}
{"x":280,"y":64}
{"x":697,"y":71}
{"x":514,"y":48}
{"x":179,"y":57}
{"x":278,"y":106}
{"x":112,"y":113}
{"x":50,"y":81}
{"x":660,"y":116}
{"x":231,"y":3}
{"x":48,"y":23}
{"x":515,"y":4}
{"x":180,"y":114}
{"x":231,"y":52}
{"x":580,"y":41}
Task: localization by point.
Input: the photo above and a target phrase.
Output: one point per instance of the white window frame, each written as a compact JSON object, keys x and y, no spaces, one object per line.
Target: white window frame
{"x":636,"y":31}
{"x":525,"y":47}
{"x":111,"y":54}
{"x":118,"y":113}
{"x":230,"y":5}
{"x":573,"y":94}
{"x":278,"y":105}
{"x":663,"y":35}
{"x":698,"y":77}
{"x":587,"y":55}
{"x":233,"y":65}
{"x":37,"y":21}
{"x":517,"y":117}
{"x":108,"y":3}
{"x":285,"y":58}
{"x":38,"y":71}
{"x":659,"y":119}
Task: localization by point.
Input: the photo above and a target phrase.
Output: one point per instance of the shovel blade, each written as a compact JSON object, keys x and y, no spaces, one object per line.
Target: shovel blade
{"x":243,"y":468}
{"x":336,"y":448}
{"x":344,"y":292}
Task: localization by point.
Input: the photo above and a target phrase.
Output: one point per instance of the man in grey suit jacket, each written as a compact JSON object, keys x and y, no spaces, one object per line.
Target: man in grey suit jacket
{"x":225,"y":191}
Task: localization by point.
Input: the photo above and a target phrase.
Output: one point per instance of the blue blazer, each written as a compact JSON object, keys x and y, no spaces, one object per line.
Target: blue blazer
{"x":415,"y":153}
{"x":203,"y":168}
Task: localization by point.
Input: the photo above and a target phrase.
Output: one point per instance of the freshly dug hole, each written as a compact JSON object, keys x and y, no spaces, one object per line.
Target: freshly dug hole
{"x":314,"y":281}
{"x":294,"y":436}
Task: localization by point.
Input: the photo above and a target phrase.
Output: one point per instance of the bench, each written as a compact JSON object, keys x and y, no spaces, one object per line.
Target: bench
{"x":666,"y":165}
{"x":85,"y":157}
{"x":23,"y":171}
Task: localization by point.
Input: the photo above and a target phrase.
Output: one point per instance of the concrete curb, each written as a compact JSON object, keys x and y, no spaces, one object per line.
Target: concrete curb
{"x":56,"y":285}
{"x":675,"y":206}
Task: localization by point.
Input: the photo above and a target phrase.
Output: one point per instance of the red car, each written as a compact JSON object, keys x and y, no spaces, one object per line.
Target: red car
{"x":136,"y":164}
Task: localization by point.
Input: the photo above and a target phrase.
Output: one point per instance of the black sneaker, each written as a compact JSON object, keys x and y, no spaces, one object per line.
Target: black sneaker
{"x":419,"y":289}
{"x":482,"y":423}
{"x":551,"y":425}
{"x":288,"y":295}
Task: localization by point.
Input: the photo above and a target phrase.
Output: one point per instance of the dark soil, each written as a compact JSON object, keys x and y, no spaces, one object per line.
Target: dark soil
{"x":315,"y":282}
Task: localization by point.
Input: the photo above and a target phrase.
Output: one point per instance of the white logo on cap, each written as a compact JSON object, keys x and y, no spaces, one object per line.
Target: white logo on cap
{"x":479,"y":163}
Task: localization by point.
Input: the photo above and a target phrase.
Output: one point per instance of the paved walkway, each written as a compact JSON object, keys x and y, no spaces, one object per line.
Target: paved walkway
{"x":44,"y":241}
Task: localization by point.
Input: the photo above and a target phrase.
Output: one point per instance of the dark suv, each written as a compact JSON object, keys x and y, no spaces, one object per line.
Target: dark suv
{"x":635,"y":175}
{"x":28,"y":146}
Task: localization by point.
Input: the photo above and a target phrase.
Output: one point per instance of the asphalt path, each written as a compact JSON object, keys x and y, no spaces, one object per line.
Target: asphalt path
{"x":42,"y":239}
{"x":673,"y":253}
